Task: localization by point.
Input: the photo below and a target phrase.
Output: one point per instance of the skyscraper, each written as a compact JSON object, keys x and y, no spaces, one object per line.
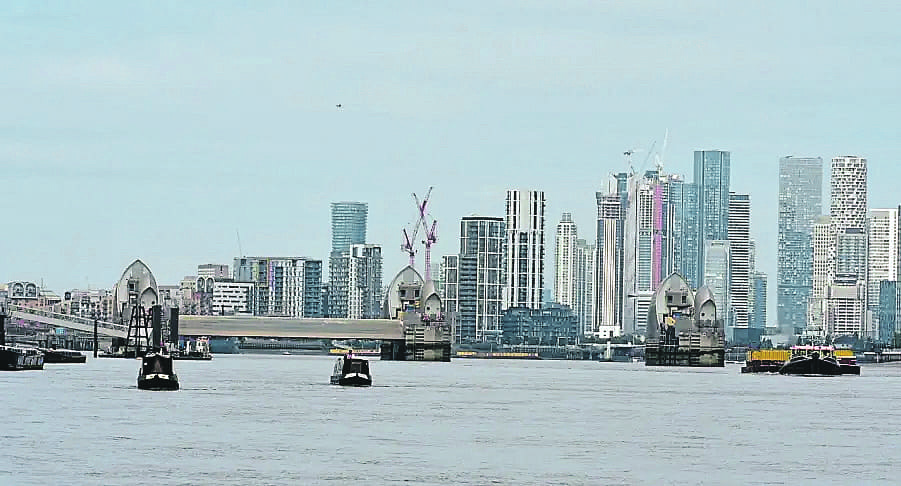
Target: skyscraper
{"x":757,"y":305}
{"x":848,"y":211}
{"x":882,"y":261}
{"x":684,"y":199}
{"x":474,"y":279}
{"x":822,"y":269}
{"x":711,"y":175}
{"x":565,"y":261}
{"x":740,"y":264}
{"x":583,"y":289}
{"x":348,"y":224}
{"x":648,"y":248}
{"x":800,"y":204}
{"x":524,"y":266}
{"x":607,"y":321}
{"x":717,"y":269}
{"x":348,"y":228}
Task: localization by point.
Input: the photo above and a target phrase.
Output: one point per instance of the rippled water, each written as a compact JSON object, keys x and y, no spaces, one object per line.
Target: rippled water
{"x":270,"y":419}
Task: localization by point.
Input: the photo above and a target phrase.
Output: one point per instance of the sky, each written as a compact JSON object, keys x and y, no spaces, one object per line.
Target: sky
{"x":161,"y":130}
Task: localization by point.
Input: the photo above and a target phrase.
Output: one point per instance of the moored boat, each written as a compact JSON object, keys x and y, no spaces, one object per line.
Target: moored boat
{"x":18,"y":358}
{"x":156,"y":372}
{"x":812,"y":361}
{"x":195,"y":349}
{"x":52,"y":355}
{"x":350,"y":371}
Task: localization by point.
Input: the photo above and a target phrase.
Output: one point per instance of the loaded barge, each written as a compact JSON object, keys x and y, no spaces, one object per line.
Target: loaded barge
{"x":803,"y":360}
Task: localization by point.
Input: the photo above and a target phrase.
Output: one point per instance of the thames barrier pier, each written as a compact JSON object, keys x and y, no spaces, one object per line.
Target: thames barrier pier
{"x":683,"y":327}
{"x":427,"y":330}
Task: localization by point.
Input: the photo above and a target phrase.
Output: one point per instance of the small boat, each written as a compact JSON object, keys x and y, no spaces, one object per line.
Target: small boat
{"x":350,"y":371}
{"x":53,"y":355}
{"x":195,"y":349}
{"x":812,"y":361}
{"x":156,"y":372}
{"x":18,"y":358}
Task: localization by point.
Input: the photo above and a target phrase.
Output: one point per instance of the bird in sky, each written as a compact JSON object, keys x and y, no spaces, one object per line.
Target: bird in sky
{"x":338,"y":105}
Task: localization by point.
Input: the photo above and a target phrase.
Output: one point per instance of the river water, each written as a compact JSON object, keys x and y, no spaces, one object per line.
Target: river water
{"x":272,"y":419}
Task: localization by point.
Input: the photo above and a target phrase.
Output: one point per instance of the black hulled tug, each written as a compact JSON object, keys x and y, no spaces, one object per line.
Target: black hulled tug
{"x":156,"y":371}
{"x":350,"y":371}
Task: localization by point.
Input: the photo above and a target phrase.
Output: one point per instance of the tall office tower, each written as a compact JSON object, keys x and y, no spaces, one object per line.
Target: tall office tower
{"x":822,"y":242}
{"x":583,"y":291}
{"x":848,"y":211}
{"x":757,"y":305}
{"x":364,"y":282}
{"x":283,"y":286}
{"x":524,"y":267}
{"x":648,"y":248}
{"x":712,"y":180}
{"x":882,"y":260}
{"x":565,"y":261}
{"x":717,"y":268}
{"x":800,"y":204}
{"x":740,"y":271}
{"x":474,"y":279}
{"x":684,"y":199}
{"x":608,"y":286}
{"x":214,"y":270}
{"x":348,"y":228}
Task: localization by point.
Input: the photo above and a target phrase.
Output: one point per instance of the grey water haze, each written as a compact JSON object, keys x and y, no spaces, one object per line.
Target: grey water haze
{"x":270,"y":419}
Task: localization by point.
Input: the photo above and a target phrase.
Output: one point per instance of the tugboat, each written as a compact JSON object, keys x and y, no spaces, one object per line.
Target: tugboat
{"x":156,"y":372}
{"x":350,"y":371}
{"x":812,"y":361}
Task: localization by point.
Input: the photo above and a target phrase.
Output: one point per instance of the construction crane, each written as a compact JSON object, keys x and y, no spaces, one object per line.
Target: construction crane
{"x":659,"y":157}
{"x":409,"y":244}
{"x":431,"y":231}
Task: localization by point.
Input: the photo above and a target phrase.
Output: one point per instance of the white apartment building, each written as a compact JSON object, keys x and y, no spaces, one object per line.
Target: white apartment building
{"x":565,"y":262}
{"x":524,"y":267}
{"x":364,"y":281}
{"x":232,"y":298}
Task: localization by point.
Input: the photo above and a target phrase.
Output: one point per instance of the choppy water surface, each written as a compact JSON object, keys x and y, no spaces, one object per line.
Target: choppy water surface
{"x":269,"y":419}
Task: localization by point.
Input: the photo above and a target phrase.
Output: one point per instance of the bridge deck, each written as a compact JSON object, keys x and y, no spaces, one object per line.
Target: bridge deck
{"x":281,"y":327}
{"x":108,"y":329}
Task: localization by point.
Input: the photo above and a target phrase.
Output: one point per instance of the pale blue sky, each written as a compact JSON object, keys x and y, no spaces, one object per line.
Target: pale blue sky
{"x":156,"y":130}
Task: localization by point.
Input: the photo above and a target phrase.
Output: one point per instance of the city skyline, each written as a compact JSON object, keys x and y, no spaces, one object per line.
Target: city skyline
{"x":225,"y":126}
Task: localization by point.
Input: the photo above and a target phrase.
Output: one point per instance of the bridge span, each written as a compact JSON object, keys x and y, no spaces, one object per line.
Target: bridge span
{"x":288,"y":327}
{"x":54,"y":319}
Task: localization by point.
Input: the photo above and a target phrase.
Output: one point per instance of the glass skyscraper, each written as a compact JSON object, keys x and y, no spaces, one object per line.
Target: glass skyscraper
{"x":684,"y":199}
{"x":712,"y":180}
{"x":800,"y":204}
{"x":348,"y":224}
{"x":348,"y":228}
